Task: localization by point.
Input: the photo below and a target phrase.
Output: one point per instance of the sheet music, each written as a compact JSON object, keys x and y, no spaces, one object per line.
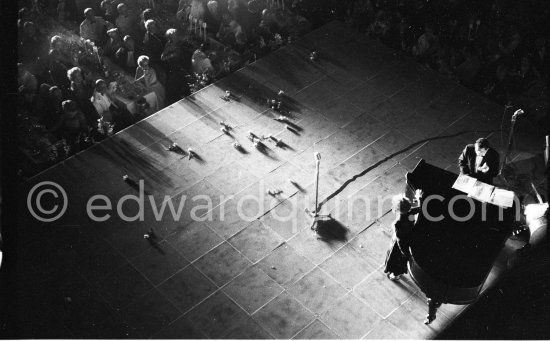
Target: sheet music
{"x":502,"y":198}
{"x":464,"y":183}
{"x":482,"y":191}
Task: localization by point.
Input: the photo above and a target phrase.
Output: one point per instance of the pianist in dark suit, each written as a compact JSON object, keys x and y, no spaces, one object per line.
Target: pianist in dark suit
{"x":480,"y":161}
{"x":398,"y":253}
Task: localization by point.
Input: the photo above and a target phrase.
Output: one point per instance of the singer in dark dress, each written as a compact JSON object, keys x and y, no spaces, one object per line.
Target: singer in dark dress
{"x":479,"y":161}
{"x":398,"y":253}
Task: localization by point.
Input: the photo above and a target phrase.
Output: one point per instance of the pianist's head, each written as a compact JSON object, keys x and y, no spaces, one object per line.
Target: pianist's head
{"x":400,"y":204}
{"x":481,"y":146}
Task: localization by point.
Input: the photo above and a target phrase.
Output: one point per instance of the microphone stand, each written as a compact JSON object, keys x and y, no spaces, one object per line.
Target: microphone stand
{"x":510,"y":141}
{"x":315,"y":213}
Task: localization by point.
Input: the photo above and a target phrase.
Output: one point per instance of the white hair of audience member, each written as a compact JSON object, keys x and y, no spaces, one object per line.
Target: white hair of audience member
{"x":149,"y":25}
{"x":171,"y":33}
{"x":55,"y":40}
{"x":142,"y":59}
{"x":113,"y":30}
{"x":213,"y":7}
{"x":73,"y":72}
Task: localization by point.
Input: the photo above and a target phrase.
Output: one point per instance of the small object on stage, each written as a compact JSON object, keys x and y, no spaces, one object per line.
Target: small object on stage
{"x":274,"y":104}
{"x":278,"y":143}
{"x":149,"y":235}
{"x":190,"y":153}
{"x":252,"y":137}
{"x":225,"y":125}
{"x":125,"y":178}
{"x":314,"y":55}
{"x":227,"y":96}
{"x":274,"y":192}
{"x":237,"y":145}
{"x":280,"y":93}
{"x":175,"y":148}
{"x":295,"y":184}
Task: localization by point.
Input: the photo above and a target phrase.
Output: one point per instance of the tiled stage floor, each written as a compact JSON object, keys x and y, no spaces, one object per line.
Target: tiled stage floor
{"x":261,"y":272}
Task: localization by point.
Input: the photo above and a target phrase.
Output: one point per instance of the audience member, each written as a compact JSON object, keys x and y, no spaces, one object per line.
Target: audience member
{"x":177,"y":58}
{"x":109,"y":8}
{"x":200,"y":62}
{"x":73,"y":126}
{"x":114,"y":43}
{"x":127,"y":22}
{"x":93,"y":27}
{"x":153,"y":42}
{"x":25,"y":79}
{"x":148,"y":77}
{"x":79,"y":91}
{"x":126,"y":56}
{"x":31,"y":44}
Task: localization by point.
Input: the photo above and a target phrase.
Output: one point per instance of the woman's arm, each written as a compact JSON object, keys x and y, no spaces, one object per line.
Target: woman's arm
{"x":140,"y":74}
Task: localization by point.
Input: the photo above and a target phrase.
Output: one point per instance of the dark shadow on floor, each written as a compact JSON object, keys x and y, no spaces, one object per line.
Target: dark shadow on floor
{"x":331,"y":230}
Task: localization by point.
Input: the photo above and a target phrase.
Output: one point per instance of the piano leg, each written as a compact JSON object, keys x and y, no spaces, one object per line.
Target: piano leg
{"x":432,"y":309}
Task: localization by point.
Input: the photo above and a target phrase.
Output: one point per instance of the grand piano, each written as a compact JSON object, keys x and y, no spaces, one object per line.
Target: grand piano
{"x":450,"y":259}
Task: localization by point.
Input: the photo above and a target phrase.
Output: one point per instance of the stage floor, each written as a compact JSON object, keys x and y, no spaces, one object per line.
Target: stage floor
{"x":261,"y":272}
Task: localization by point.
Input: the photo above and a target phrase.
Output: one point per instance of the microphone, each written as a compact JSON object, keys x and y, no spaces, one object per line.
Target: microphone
{"x":547,"y":151}
{"x":519,"y":112}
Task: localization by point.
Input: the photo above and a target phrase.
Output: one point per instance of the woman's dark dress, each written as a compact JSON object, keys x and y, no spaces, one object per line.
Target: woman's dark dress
{"x":398,"y":253}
